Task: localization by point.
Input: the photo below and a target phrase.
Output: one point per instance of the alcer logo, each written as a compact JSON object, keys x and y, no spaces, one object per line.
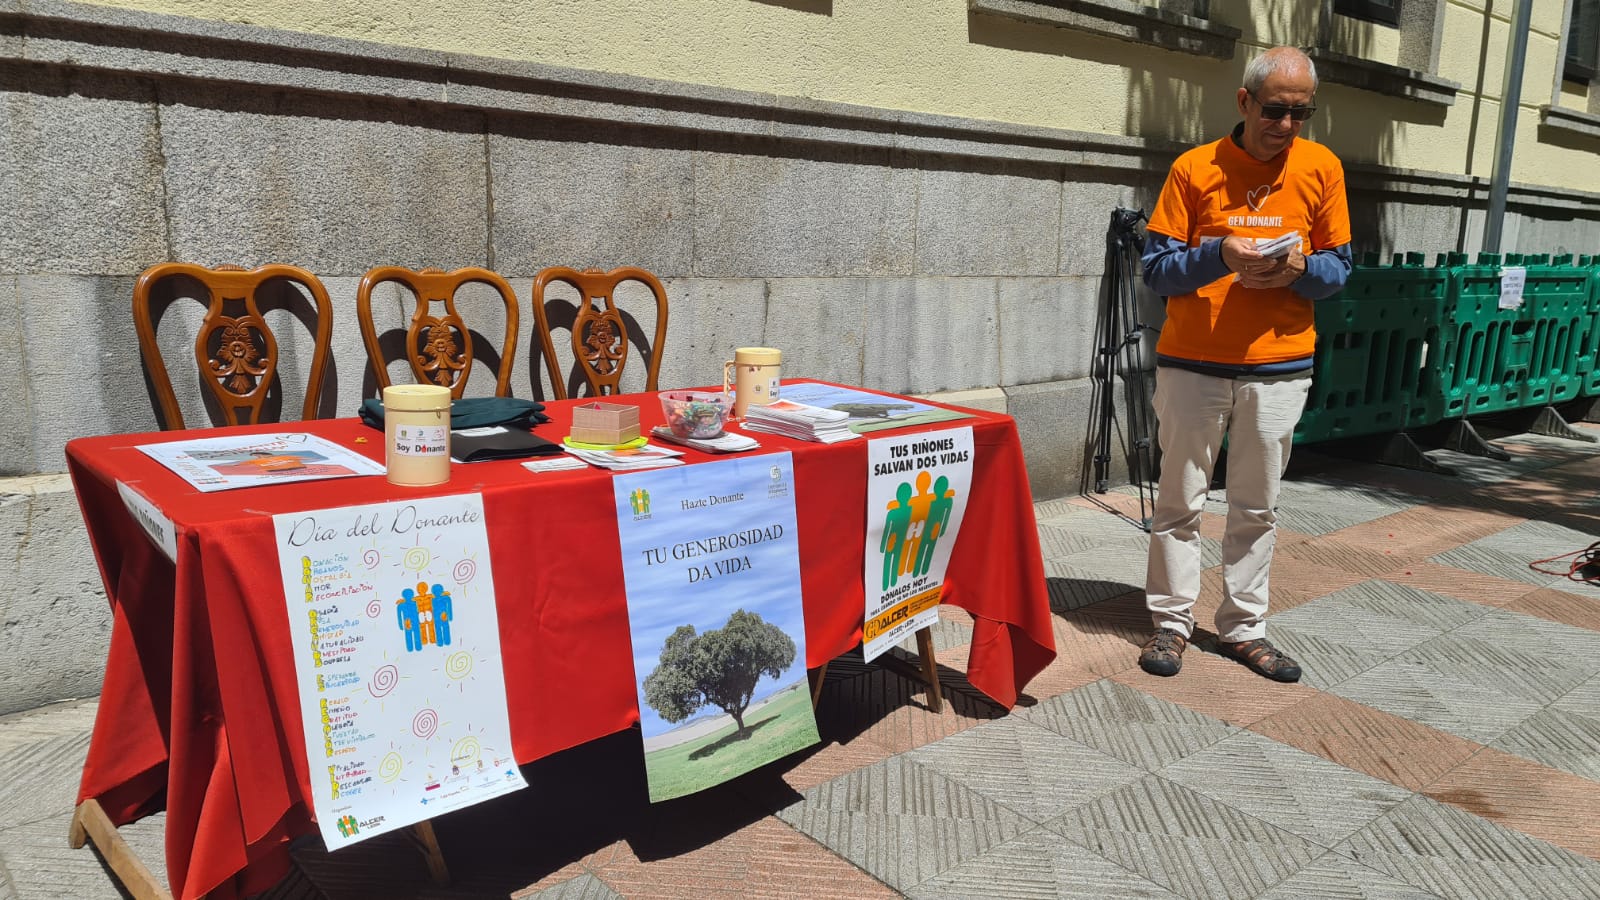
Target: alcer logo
{"x":639,"y":500}
{"x":913,"y":523}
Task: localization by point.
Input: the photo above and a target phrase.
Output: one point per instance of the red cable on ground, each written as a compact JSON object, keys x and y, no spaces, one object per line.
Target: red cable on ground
{"x":1584,"y":565}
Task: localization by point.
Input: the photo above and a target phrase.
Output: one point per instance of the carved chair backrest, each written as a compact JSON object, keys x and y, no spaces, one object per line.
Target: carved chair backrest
{"x":600,"y":339}
{"x":438,"y":347}
{"x":236,"y":352}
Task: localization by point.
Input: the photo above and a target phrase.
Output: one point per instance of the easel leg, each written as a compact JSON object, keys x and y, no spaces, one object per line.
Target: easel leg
{"x":816,"y":686}
{"x":91,"y":825}
{"x":930,"y":668}
{"x":422,"y":833}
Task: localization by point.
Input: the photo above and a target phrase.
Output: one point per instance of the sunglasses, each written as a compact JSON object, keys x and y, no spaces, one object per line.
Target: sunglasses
{"x":1276,"y":111}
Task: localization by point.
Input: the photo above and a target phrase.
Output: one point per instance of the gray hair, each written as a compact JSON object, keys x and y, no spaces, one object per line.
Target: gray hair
{"x":1274,"y":61}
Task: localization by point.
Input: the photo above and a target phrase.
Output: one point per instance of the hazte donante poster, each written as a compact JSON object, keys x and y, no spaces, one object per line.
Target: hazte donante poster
{"x":917,"y":488}
{"x":397,"y":651}
{"x":712,"y":567}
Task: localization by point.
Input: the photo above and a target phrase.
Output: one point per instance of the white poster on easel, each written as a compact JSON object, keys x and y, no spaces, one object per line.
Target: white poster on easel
{"x":917,"y":489}
{"x":397,"y":651}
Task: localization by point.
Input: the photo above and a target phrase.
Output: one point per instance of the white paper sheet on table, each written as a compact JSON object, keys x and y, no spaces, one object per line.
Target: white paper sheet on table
{"x":240,"y":461}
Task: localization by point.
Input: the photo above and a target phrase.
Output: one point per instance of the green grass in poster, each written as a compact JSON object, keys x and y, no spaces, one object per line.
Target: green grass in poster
{"x":782,"y":726}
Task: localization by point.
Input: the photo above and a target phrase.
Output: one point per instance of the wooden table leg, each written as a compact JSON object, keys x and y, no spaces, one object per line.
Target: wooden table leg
{"x":422,"y":833}
{"x":91,"y":825}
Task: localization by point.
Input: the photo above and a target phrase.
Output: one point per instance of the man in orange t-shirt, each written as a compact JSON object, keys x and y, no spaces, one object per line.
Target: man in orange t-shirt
{"x":1235,"y":354}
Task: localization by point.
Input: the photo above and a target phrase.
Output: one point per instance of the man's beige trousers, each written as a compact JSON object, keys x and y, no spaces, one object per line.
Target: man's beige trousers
{"x":1258,"y":415}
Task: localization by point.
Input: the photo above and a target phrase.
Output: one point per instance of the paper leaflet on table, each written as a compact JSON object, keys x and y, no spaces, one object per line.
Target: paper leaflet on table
{"x":868,"y":411}
{"x":396,"y":640}
{"x":726,"y":442}
{"x":238,"y":461}
{"x":710,"y":560}
{"x":917,"y":491}
{"x":646,"y":456}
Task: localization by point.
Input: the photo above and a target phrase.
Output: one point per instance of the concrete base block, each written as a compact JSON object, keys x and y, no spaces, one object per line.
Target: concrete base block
{"x":1054,"y":421}
{"x":987,"y":399}
{"x":56,"y":623}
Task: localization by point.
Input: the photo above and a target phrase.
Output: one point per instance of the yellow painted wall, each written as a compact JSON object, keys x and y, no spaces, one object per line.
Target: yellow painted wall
{"x":932,"y":56}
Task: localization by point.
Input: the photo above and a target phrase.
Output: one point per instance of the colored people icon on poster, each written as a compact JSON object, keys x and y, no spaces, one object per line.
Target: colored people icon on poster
{"x":912,"y":526}
{"x":424,"y":615}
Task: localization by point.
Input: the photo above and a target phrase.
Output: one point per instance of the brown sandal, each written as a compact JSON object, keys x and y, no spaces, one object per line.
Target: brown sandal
{"x":1262,"y":658}
{"x":1163,"y":653}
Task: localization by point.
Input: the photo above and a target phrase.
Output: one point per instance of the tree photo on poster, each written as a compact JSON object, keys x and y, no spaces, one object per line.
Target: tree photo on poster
{"x":720,"y":667}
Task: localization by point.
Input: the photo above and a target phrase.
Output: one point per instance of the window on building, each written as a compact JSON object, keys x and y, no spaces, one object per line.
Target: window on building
{"x":1583,"y":42}
{"x":1385,"y":12}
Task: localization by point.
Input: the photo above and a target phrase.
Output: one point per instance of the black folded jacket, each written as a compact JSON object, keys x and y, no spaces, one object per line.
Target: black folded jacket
{"x":474,"y":412}
{"x":499,"y":442}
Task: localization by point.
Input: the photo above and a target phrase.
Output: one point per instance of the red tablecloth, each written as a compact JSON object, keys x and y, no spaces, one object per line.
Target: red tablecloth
{"x":199,"y":713}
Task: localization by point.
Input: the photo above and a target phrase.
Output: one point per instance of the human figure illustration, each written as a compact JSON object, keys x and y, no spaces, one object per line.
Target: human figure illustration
{"x":919,"y":522}
{"x":895,"y":524}
{"x":408,"y":618}
{"x":443,"y":613}
{"x":938,"y":520}
{"x":425,"y":613}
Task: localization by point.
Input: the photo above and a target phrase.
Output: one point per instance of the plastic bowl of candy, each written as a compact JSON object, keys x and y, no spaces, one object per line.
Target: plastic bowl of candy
{"x":695,"y":414}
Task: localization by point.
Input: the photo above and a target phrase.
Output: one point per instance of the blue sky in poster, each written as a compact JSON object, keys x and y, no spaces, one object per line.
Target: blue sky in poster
{"x":667,"y":589}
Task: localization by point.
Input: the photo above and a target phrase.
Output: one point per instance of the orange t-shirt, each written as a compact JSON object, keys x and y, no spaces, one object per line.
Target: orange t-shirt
{"x":1218,"y":190}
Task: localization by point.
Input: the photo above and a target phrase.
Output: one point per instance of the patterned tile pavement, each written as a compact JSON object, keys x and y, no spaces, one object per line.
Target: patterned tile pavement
{"x":1445,"y":741}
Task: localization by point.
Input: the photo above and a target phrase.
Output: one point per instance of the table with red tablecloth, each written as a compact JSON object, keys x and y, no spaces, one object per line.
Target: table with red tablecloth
{"x":199,"y":713}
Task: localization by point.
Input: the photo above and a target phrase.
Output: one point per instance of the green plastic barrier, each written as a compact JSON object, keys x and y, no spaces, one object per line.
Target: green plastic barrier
{"x":1375,"y":343}
{"x":1589,"y":355}
{"x":1538,"y":353}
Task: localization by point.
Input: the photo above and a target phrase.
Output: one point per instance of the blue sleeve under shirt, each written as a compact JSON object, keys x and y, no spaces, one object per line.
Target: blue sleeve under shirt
{"x":1172,"y":267}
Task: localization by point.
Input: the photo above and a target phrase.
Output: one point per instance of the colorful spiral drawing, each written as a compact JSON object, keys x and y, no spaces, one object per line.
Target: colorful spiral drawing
{"x":465,"y":571}
{"x":375,"y":608}
{"x":371,"y":558}
{"x":383,"y":681}
{"x":416,"y":558}
{"x":466,"y":751}
{"x":458,"y":665}
{"x":391,"y":766}
{"x":425,"y":723}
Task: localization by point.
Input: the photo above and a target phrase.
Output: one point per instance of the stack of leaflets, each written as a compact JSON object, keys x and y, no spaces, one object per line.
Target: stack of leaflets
{"x":1278,"y":246}
{"x":797,"y":420}
{"x":629,"y":459}
{"x":726,"y":442}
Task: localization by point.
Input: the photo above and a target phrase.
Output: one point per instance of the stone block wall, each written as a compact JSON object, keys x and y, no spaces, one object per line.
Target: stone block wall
{"x":895,"y":250}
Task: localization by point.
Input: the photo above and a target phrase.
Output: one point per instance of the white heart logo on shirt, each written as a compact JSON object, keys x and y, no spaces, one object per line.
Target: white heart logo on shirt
{"x":1258,"y":196}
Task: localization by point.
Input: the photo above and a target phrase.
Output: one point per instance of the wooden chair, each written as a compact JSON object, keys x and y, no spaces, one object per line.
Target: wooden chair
{"x":600,"y":337}
{"x":237,"y":354}
{"x":438,"y":348}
